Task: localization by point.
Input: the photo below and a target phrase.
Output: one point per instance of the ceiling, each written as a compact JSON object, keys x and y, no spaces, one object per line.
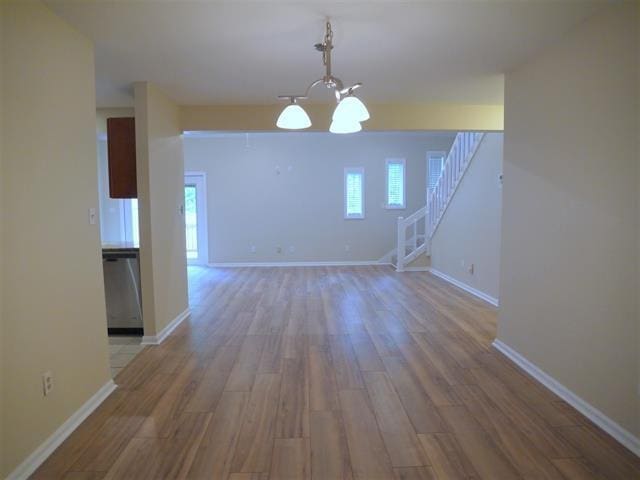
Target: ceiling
{"x":240,"y":52}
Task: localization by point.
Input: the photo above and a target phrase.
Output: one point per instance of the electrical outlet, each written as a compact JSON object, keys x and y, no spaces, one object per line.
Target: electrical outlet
{"x":278,"y":249}
{"x":47,"y":383}
{"x":253,"y":249}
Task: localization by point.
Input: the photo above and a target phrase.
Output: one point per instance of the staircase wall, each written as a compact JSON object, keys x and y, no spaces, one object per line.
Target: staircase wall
{"x":469,"y":232}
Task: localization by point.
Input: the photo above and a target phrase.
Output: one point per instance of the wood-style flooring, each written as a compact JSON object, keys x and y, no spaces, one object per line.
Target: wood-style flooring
{"x":333,"y":373}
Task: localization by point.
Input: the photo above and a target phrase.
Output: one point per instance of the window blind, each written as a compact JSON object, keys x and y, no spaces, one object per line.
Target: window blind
{"x":354,"y":193}
{"x":395,"y":183}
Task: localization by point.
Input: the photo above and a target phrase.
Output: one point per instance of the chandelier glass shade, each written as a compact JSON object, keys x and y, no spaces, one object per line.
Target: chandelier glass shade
{"x":349,"y":112}
{"x":293,"y":117}
{"x":351,"y":108}
{"x":345,"y":125}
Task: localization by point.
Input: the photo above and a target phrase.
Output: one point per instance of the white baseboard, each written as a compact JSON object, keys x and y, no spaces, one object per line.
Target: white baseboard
{"x":297,"y":264}
{"x":623,"y":436}
{"x":40,"y":454}
{"x":164,"y":333}
{"x":473,"y":291}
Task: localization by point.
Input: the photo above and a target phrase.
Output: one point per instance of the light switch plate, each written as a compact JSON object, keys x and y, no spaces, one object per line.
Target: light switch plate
{"x":92,"y":216}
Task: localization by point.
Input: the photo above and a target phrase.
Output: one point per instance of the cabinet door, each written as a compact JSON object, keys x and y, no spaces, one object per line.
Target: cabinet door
{"x":121,"y":142}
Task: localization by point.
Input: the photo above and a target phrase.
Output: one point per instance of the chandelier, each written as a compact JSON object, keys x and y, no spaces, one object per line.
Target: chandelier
{"x":349,"y":112}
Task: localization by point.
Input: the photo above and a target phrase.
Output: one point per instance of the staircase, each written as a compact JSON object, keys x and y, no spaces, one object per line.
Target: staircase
{"x":416,"y":231}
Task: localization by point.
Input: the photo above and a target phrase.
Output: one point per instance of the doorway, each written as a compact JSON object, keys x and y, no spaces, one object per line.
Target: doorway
{"x":195,"y":218}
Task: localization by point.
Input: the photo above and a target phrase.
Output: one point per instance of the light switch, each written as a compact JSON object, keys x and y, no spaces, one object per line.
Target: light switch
{"x":92,"y":216}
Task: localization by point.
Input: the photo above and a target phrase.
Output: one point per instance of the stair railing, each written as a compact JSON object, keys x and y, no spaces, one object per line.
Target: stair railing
{"x":412,"y":242}
{"x":462,"y":151}
{"x":428,"y":217}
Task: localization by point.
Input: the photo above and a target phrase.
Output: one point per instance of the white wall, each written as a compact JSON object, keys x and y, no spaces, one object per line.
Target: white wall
{"x":53,"y":309}
{"x":469,"y":232}
{"x":570,"y":213}
{"x":286,"y":189}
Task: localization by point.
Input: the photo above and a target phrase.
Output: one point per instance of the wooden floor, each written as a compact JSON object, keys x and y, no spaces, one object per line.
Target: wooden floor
{"x":332,"y":373}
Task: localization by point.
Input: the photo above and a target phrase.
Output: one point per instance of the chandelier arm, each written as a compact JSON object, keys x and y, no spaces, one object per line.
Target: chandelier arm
{"x":317,"y":82}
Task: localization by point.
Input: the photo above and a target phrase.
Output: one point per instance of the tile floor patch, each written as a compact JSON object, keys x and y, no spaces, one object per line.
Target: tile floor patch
{"x":121,"y":351}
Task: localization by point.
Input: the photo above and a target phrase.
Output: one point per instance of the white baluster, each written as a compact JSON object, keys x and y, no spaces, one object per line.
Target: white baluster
{"x":401,"y":245}
{"x":415,"y":235}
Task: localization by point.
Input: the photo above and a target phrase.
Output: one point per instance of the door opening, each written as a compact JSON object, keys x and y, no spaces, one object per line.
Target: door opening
{"x":195,"y":217}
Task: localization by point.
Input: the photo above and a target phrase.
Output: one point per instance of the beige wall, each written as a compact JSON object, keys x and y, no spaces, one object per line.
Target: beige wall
{"x":286,"y":189}
{"x":570,"y":213}
{"x":53,"y":298}
{"x":160,"y":169}
{"x":469,"y":232}
{"x":638,"y":198}
{"x":2,"y":367}
{"x":384,"y":117}
{"x":103,"y":113}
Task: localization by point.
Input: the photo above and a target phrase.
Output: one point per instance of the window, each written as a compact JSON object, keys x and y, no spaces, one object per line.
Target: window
{"x":435,"y":163}
{"x":131,"y":228}
{"x":395,"y":182}
{"x":353,"y":193}
{"x":195,"y":217}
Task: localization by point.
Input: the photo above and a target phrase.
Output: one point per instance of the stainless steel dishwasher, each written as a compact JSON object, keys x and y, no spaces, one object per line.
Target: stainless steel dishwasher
{"x":121,"y":268}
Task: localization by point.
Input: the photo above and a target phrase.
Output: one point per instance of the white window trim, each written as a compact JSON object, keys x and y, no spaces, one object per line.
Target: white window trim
{"x":404,"y":183}
{"x":348,"y":170}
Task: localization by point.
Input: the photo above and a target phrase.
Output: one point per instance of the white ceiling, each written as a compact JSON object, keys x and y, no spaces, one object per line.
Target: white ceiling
{"x":228,"y":52}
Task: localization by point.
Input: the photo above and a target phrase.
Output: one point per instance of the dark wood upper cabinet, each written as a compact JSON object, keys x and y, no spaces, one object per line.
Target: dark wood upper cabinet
{"x":121,"y":144}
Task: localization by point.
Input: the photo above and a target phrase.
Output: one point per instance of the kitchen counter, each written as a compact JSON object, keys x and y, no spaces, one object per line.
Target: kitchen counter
{"x":120,"y":246}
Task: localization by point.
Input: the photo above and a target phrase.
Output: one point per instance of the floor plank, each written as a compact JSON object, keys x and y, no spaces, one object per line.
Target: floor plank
{"x":422,"y":412}
{"x":254,"y":448}
{"x":323,"y":391}
{"x":215,"y":453}
{"x":606,"y":459}
{"x":290,"y":459}
{"x":398,"y":434}
{"x":479,"y":448}
{"x":293,"y":405}
{"x":414,"y":473}
{"x":369,"y":458}
{"x":329,"y":451}
{"x":446,"y":457}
